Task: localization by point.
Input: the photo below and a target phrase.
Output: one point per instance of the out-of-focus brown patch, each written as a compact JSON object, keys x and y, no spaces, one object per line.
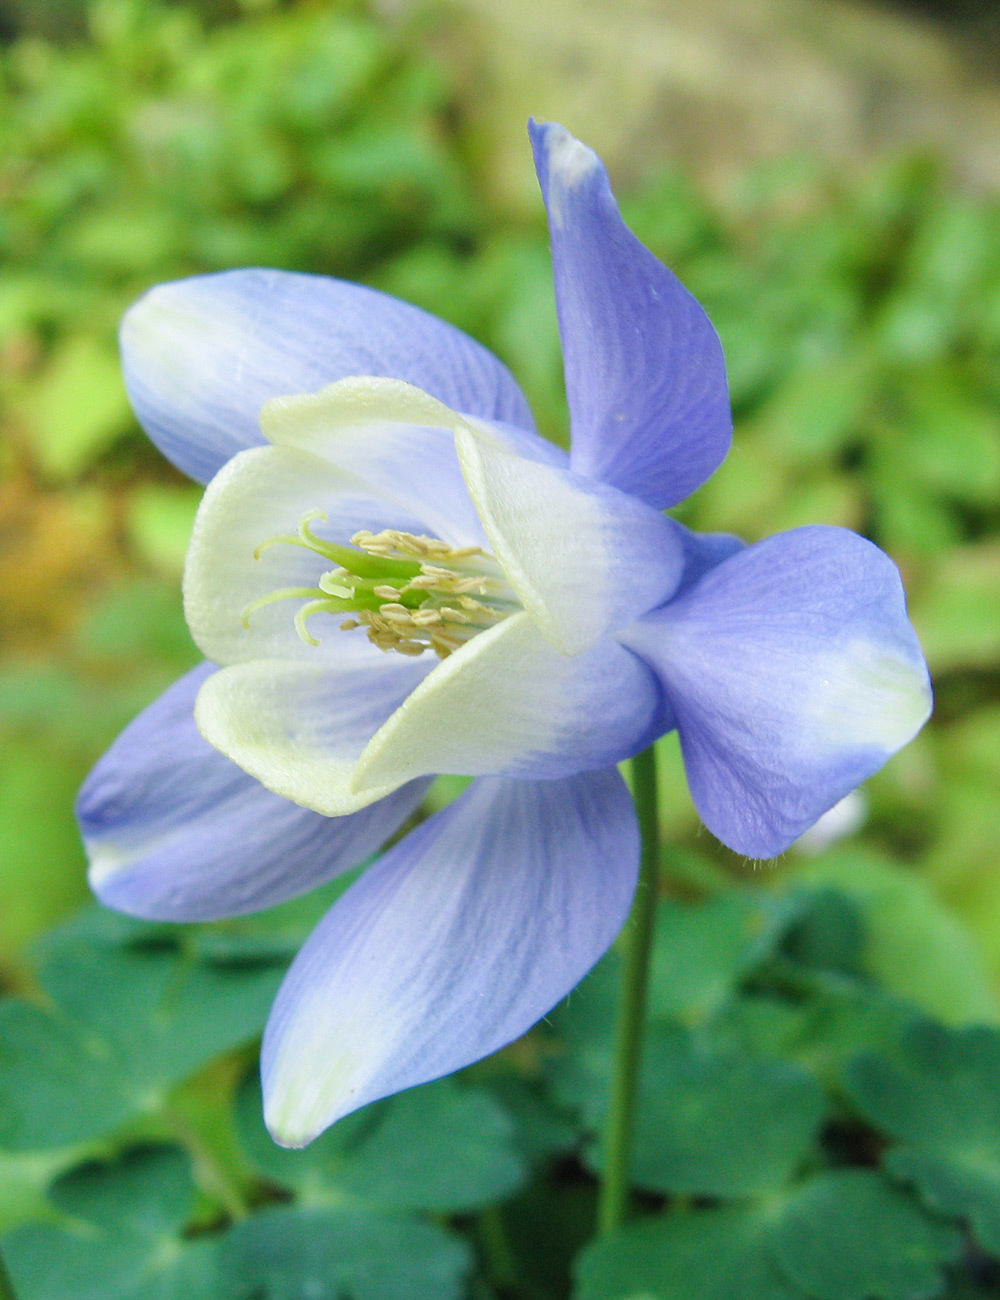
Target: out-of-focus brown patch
{"x":56,"y":551}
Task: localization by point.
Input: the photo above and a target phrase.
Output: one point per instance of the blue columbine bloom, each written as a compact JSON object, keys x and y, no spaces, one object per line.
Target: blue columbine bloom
{"x":392,"y":575}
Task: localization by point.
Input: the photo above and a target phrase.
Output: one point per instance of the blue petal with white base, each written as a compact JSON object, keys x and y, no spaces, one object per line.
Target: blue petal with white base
{"x":793,"y":673}
{"x":645,"y":374}
{"x":176,"y":832}
{"x":452,"y":945}
{"x":202,"y":356}
{"x":583,"y":557}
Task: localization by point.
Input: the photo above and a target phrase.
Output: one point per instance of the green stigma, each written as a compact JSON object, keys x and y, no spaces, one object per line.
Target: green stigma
{"x":411,"y":593}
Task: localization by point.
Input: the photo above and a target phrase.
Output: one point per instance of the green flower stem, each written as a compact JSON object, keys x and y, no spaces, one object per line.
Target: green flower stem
{"x":6,"y":1286}
{"x":613,"y":1201}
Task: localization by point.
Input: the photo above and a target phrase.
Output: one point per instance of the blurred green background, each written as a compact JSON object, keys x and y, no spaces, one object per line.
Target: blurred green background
{"x":859,"y":306}
{"x":860,"y":312}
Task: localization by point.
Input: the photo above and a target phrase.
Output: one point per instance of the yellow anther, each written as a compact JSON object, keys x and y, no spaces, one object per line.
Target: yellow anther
{"x":409,"y":592}
{"x":409,"y":648}
{"x":397,"y":617}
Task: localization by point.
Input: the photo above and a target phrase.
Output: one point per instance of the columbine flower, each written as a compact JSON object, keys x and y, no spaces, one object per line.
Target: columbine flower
{"x":393,"y":576}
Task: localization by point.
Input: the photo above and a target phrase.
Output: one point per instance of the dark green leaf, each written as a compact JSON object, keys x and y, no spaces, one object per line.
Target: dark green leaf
{"x":540,"y":1130}
{"x":939,"y":1095}
{"x":716,"y":1123}
{"x":830,"y":933}
{"x":705,"y":1255}
{"x":119,"y":1239}
{"x":849,"y":1235}
{"x":914,"y":944}
{"x":48,"y":1263}
{"x":128,"y":1024}
{"x":578,"y":1066}
{"x":701,"y":951}
{"x":288,"y":1253}
{"x":836,"y":1018}
{"x":148,"y":1190}
{"x":56,"y":1086}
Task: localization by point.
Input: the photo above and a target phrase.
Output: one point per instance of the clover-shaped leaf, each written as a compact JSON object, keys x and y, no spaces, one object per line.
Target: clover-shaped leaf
{"x":843,"y":1235}
{"x":441,"y":1147}
{"x":702,"y":950}
{"x":939,"y":1096}
{"x":829,"y":933}
{"x":128,"y":1022}
{"x":118,"y":1235}
{"x":720,"y":1123}
{"x":849,"y":1235}
{"x":707,"y":1255}
{"x":914,"y":946}
{"x":541,"y":1130}
{"x":290,"y":1252}
{"x":578,"y":1065}
{"x":836,"y":1017}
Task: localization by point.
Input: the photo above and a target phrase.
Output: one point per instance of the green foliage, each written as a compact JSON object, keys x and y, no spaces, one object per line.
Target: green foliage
{"x":126,"y":1022}
{"x":939,"y":1096}
{"x":844,"y":1235}
{"x":137,"y":1012}
{"x":286,"y":1252}
{"x":717,"y":1122}
{"x":802,"y":1133}
{"x":118,"y":1235}
{"x":913,"y":944}
{"x":848,"y":1235}
{"x":709,"y":1256}
{"x":768,"y":1112}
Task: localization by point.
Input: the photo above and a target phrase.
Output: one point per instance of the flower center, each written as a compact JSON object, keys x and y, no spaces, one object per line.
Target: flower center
{"x":411,"y":593}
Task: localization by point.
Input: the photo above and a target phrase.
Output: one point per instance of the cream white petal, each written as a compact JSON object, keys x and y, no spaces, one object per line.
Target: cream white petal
{"x":263,"y":493}
{"x":394,"y":438}
{"x":300,"y":728}
{"x":583,"y":558}
{"x":507,"y":703}
{"x":400,"y":442}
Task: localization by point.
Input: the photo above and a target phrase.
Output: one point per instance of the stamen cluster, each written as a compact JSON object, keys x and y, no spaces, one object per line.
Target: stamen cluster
{"x":410,"y":592}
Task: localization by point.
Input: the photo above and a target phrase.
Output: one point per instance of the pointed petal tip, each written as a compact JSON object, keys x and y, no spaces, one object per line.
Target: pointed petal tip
{"x":285,"y":1138}
{"x":645,"y":373}
{"x":298,"y":1126}
{"x":562,"y":162}
{"x":451,"y":946}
